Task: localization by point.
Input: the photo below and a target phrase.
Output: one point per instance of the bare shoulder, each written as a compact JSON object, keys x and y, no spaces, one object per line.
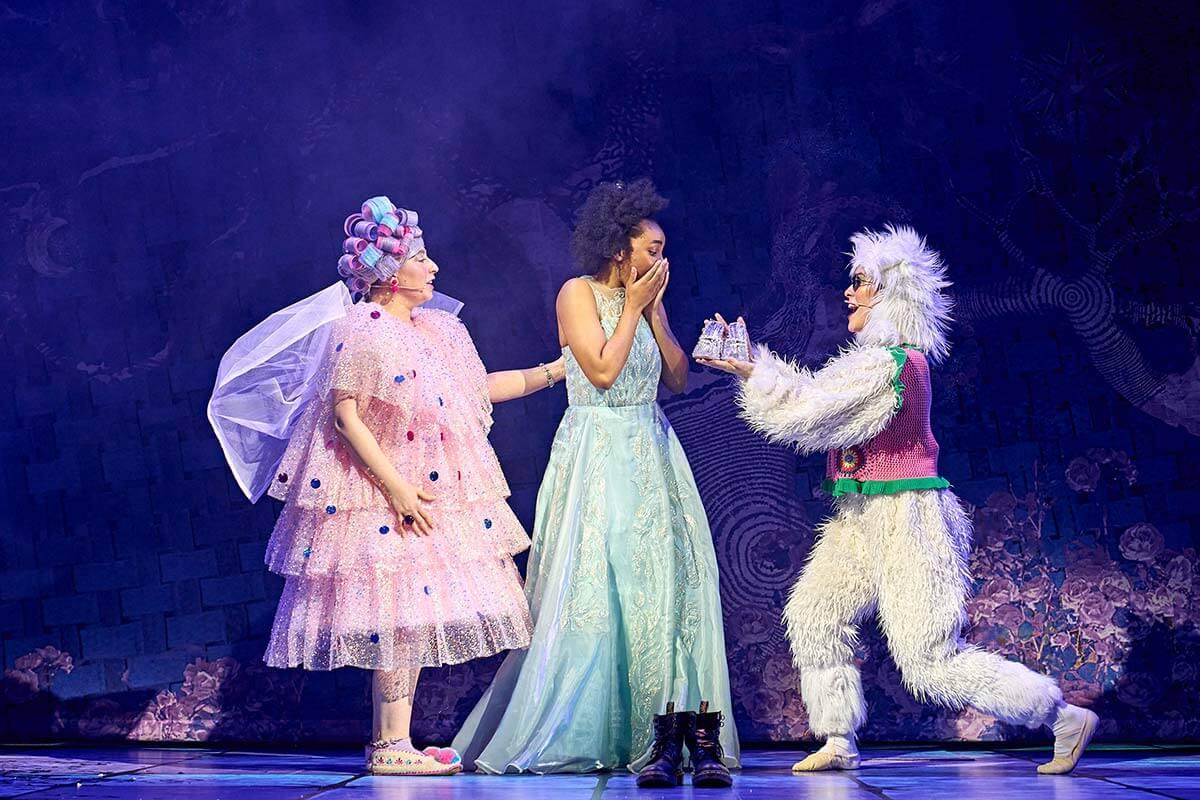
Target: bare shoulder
{"x":575,"y":297}
{"x":576,"y":289}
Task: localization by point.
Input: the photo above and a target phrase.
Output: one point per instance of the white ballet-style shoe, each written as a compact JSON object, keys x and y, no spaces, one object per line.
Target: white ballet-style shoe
{"x":838,"y":752}
{"x":1073,"y":730}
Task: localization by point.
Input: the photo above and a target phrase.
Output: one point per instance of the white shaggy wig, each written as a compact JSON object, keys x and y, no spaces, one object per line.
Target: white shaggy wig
{"x":909,"y":278}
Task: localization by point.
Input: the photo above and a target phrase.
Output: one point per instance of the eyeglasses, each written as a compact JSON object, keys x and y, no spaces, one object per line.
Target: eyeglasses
{"x":859,"y":281}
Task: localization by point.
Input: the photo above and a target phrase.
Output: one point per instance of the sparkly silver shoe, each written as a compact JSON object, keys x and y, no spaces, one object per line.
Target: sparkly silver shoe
{"x":712,"y":341}
{"x":737,"y":344}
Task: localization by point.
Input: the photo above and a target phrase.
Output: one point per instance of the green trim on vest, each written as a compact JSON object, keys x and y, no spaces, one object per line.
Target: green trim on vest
{"x":844,"y":486}
{"x":901,"y":357}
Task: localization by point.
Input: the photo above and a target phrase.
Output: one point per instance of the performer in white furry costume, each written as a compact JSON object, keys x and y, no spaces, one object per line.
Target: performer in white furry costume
{"x":899,"y":539}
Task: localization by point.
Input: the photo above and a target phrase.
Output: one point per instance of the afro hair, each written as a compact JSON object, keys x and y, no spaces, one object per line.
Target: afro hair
{"x":610,"y":218}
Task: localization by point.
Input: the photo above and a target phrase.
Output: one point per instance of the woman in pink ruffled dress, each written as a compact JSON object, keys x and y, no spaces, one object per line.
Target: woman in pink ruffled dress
{"x":395,"y":540}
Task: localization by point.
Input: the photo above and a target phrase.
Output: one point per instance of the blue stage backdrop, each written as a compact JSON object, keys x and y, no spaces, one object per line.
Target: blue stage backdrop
{"x":173,"y":172}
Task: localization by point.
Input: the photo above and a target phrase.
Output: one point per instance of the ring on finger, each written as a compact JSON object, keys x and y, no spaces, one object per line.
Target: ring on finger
{"x":409,"y":519}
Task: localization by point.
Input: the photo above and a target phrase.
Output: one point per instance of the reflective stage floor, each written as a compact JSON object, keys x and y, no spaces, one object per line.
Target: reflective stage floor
{"x":59,"y":771}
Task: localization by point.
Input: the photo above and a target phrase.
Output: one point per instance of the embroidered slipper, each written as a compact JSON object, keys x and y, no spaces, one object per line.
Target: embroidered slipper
{"x":385,"y":758}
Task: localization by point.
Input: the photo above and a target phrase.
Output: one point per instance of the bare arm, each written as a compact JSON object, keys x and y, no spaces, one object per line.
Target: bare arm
{"x":405,"y":498}
{"x":512,"y":384}
{"x":674,"y":359}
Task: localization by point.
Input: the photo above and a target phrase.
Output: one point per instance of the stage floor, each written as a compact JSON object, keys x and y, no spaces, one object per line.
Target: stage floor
{"x":42,"y":772}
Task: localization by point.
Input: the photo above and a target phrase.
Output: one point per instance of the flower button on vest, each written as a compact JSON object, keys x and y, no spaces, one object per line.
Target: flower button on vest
{"x":850,"y":460}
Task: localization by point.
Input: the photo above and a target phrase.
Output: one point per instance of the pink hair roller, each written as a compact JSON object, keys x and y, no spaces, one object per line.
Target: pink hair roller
{"x":346,"y":266}
{"x":348,"y":225}
{"x":390,"y":245}
{"x":354,"y":246}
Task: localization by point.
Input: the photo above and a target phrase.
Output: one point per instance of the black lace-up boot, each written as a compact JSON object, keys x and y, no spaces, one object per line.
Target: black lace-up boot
{"x":703,"y":740}
{"x":665,"y":767}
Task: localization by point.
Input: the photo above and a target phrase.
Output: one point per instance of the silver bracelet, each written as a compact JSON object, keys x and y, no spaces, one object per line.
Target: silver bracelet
{"x":549,"y":375}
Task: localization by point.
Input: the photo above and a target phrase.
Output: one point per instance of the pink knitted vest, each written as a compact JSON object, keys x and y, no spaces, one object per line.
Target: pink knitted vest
{"x":904,"y":456}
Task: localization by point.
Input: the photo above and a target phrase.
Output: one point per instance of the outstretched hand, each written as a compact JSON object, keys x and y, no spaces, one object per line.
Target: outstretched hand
{"x":733,"y":366}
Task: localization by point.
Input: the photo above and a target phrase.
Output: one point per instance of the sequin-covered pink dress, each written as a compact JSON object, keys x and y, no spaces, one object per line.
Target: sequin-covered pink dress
{"x":358,"y":592}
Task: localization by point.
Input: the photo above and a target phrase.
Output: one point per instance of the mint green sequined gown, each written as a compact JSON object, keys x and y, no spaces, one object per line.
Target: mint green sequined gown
{"x":622,"y":585}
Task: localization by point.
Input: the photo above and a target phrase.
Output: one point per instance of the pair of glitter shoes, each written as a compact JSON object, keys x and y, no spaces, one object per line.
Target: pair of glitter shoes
{"x":390,"y":757}
{"x":719,"y":341}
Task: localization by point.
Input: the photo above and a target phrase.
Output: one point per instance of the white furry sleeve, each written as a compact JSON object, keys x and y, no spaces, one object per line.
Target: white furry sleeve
{"x":846,"y":402}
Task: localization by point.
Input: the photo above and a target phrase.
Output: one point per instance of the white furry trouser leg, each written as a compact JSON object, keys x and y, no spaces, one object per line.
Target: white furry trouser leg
{"x":923,"y":587}
{"x":821,"y":615}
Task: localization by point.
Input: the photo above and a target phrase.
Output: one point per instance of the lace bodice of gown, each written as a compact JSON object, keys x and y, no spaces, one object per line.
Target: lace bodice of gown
{"x":638,"y":382}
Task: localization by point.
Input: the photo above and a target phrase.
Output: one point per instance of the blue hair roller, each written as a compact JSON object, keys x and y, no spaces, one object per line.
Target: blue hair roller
{"x":389,"y":224}
{"x":377,"y":208}
{"x":371,"y":255}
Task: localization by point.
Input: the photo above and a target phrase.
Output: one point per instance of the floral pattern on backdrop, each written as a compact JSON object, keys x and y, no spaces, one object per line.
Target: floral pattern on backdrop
{"x":1109,"y":612}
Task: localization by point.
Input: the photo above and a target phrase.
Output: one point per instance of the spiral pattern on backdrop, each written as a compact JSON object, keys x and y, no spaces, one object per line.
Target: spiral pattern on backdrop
{"x":759,"y":528}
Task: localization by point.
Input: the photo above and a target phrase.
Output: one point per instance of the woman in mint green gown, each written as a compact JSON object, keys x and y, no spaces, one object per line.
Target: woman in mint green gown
{"x":622,"y":577}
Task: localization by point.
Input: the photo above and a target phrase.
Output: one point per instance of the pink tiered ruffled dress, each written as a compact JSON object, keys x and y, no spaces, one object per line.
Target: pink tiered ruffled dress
{"x":360,"y":590}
